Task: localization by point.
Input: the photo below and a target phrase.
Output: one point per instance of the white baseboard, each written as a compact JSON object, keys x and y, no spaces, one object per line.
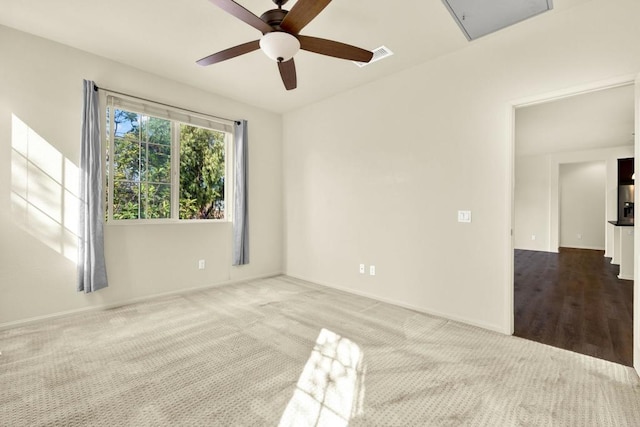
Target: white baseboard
{"x":47,"y":317}
{"x":423,"y":310}
{"x":624,"y":277}
{"x":593,"y":248}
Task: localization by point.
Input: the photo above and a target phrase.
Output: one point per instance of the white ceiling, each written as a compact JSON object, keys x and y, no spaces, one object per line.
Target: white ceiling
{"x":600,"y":119}
{"x":166,"y":37}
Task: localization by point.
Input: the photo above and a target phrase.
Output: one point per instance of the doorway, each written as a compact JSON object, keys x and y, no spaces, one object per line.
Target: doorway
{"x":566,"y":291}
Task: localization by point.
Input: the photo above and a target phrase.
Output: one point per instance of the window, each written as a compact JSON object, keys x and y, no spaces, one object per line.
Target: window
{"x":165,"y":164}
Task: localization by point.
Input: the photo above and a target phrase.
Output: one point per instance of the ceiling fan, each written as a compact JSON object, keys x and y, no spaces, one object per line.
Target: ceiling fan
{"x":281,"y":39}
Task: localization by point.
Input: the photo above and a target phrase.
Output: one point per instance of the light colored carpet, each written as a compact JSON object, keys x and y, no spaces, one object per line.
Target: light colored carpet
{"x":285,"y":352}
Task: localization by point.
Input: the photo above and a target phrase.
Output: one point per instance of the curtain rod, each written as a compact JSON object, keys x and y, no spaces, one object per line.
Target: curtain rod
{"x":96,"y":88}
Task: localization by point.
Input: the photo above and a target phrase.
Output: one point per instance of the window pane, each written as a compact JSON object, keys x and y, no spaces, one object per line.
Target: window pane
{"x":126,"y":160}
{"x":125,"y":199}
{"x":202,"y":173}
{"x":156,"y":201}
{"x":157,"y":131}
{"x":125,"y":122}
{"x":157,"y":163}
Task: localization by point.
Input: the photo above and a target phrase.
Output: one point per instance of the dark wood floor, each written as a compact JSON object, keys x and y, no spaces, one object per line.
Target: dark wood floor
{"x":574,"y":300}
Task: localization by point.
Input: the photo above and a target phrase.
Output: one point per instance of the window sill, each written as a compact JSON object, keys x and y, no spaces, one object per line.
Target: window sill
{"x":157,"y":222}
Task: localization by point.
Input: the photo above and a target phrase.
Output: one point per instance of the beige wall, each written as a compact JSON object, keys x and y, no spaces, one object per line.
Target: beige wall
{"x":376,"y":175}
{"x":41,"y":89}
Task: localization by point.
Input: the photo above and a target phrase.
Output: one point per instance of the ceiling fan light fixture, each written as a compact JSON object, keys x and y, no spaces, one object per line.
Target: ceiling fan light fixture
{"x":279,"y":46}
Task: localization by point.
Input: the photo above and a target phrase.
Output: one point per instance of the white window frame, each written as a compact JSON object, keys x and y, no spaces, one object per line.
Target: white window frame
{"x":172,"y":114}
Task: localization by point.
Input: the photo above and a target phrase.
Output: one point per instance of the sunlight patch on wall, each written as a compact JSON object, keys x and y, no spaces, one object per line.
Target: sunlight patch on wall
{"x":44,"y":190}
{"x":330,"y":390}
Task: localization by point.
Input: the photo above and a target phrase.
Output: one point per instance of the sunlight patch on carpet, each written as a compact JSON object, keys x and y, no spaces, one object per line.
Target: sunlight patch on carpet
{"x":330,"y":389}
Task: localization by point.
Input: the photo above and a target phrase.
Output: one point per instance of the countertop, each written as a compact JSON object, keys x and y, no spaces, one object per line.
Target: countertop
{"x":621,"y":224}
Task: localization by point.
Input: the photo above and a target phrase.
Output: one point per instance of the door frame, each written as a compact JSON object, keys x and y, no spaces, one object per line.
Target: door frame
{"x":636,"y":242}
{"x":634,"y":79}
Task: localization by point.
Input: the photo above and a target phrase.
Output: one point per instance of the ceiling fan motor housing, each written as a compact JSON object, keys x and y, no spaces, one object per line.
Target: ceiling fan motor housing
{"x":274,"y":17}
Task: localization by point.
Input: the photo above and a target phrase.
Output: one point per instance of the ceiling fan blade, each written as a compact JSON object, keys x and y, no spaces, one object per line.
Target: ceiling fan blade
{"x":335,"y":49}
{"x":232,"y":52}
{"x":243,"y":14}
{"x":301,"y":14}
{"x":288,"y":74}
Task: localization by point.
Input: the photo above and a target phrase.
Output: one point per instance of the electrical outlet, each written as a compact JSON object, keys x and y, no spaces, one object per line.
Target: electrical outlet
{"x":372,"y":270}
{"x":361,"y":268}
{"x":579,"y":236}
{"x":201,"y":264}
{"x":533,"y":237}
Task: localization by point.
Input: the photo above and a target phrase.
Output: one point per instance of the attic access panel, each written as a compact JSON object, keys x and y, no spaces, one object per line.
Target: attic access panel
{"x":477,"y":18}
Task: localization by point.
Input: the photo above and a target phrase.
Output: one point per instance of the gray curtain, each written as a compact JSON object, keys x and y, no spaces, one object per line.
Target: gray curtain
{"x":92,"y":271}
{"x":240,"y":202}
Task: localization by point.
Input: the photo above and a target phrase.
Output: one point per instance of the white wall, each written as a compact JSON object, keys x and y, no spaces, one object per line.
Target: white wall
{"x":536,"y":196}
{"x":41,"y":89}
{"x":582,"y":205}
{"x":376,"y":174}
{"x":532,"y":204}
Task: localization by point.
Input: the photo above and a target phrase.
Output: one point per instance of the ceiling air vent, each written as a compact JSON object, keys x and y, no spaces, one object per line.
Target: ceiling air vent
{"x":378,"y":54}
{"x":477,"y":18}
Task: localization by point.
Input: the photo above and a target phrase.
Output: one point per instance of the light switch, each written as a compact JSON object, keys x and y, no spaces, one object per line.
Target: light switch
{"x":464,"y":216}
